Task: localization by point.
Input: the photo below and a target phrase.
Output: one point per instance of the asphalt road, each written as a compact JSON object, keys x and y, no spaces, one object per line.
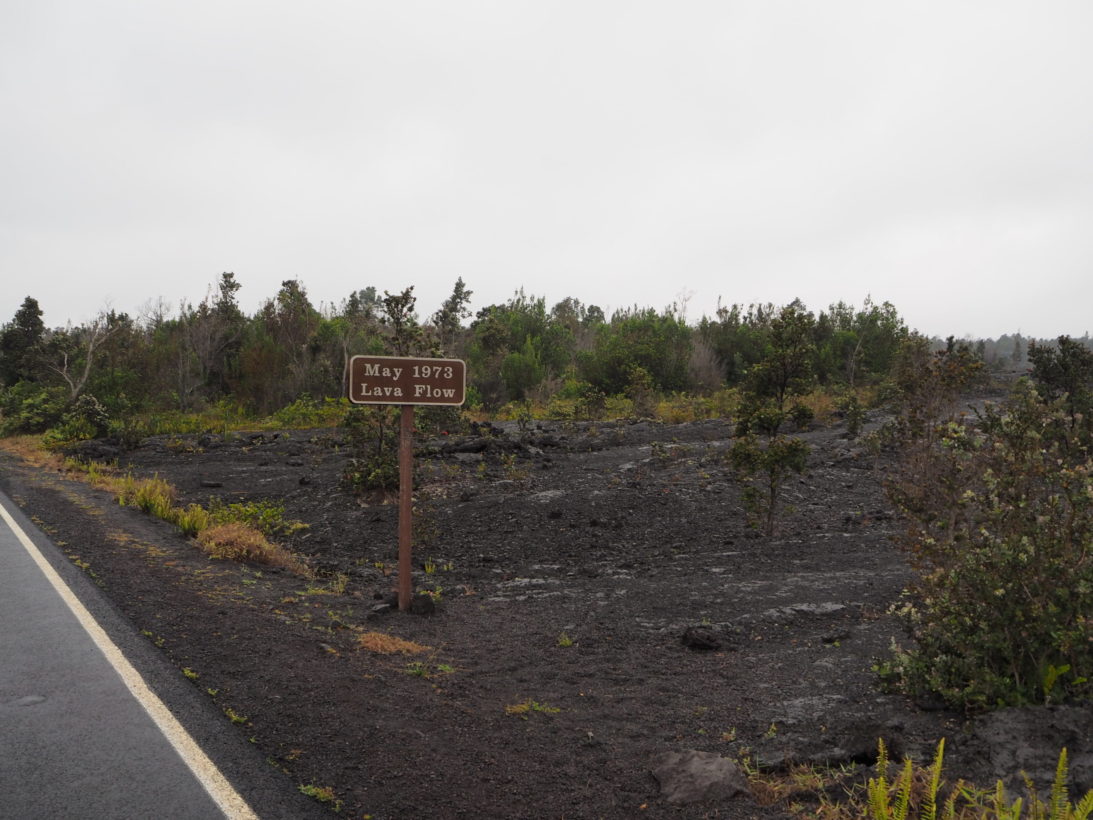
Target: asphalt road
{"x":94,"y":723}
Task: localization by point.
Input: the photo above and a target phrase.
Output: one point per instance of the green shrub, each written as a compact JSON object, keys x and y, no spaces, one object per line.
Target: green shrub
{"x":1001,"y":522}
{"x":801,"y":415}
{"x":268,"y":517}
{"x":855,"y":416}
{"x":26,"y":407}
{"x":85,"y":419}
{"x":307,"y":412}
{"x":373,"y":434}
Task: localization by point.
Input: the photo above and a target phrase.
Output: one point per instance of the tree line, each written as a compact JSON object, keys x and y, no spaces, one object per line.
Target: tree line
{"x":518,"y":350}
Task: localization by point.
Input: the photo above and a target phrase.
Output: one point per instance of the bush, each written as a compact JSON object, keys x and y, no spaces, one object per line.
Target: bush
{"x":373,"y":434}
{"x":30,"y":408}
{"x":306,"y":412}
{"x":1001,"y":525}
{"x":802,"y":416}
{"x":268,"y":517}
{"x":85,"y":419}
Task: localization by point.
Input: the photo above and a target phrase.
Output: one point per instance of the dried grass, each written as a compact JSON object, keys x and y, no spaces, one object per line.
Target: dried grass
{"x":383,"y":644}
{"x":29,"y":449}
{"x":239,"y":542}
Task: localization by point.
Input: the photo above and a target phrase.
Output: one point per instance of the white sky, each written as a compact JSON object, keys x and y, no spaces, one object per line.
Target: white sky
{"x":938,"y":155}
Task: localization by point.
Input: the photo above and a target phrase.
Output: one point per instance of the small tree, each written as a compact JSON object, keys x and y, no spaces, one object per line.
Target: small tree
{"x":762,"y":469}
{"x":1065,"y":372}
{"x":784,"y":372}
{"x":447,"y":320}
{"x":21,"y":345}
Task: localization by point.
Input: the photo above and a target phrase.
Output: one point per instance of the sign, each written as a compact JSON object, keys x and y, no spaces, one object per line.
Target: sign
{"x":403,"y":380}
{"x":407,"y":382}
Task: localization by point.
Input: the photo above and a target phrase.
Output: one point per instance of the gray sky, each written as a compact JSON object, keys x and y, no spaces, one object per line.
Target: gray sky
{"x":938,"y":155}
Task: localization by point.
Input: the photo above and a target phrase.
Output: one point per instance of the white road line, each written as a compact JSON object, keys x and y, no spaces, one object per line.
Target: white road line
{"x":220,"y":790}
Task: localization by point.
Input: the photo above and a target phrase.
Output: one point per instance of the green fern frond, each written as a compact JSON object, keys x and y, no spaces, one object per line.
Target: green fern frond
{"x":1036,"y":806}
{"x":877,"y":795}
{"x":949,"y":810}
{"x":1084,"y":809}
{"x":903,"y":791}
{"x":999,"y":799}
{"x":882,"y":760}
{"x":1059,"y":802}
{"x":929,"y":804}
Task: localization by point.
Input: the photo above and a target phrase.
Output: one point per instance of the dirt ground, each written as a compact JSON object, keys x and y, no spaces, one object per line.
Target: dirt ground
{"x":600,"y":600}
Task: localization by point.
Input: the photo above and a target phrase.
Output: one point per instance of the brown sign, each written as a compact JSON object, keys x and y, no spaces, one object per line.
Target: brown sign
{"x":402,"y":380}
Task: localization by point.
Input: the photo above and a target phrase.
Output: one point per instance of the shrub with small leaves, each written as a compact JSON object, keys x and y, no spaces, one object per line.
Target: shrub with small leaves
{"x":1001,"y":525}
{"x":373,"y":434}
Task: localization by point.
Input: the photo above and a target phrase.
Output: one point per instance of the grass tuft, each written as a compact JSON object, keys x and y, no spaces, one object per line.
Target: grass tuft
{"x":383,"y":644}
{"x":235,"y":541}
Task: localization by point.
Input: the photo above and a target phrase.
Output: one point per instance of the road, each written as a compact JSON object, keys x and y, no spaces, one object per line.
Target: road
{"x":94,"y":723}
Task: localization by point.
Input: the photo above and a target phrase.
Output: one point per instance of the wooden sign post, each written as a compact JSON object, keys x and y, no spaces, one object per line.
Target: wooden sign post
{"x":406,"y":382}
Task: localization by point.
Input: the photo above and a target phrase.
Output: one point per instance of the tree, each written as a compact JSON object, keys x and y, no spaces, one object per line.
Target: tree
{"x":534,"y":343}
{"x":930,"y":384}
{"x":1065,"y":371}
{"x":21,"y":345}
{"x":784,"y":371}
{"x":356,"y":328}
{"x":278,"y":361}
{"x":74,"y":350}
{"x":447,"y":320}
{"x":407,"y":336}
{"x":737,"y":336}
{"x":639,"y":339}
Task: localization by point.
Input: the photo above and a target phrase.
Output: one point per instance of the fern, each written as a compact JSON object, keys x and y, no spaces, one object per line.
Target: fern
{"x":1060,"y":805}
{"x":903,"y":791}
{"x":1084,"y":809}
{"x":929,"y":804}
{"x":877,"y":788}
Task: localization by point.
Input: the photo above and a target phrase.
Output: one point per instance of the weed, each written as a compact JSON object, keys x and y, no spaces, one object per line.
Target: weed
{"x":565,"y":641}
{"x":338,"y":583}
{"x":513,"y":472}
{"x":189,"y":673}
{"x":234,"y":716}
{"x":324,"y":794}
{"x":436,"y":593}
{"x":383,"y":644}
{"x":268,"y":517}
{"x":429,"y":667}
{"x":526,"y":707}
{"x":417,"y":669}
{"x":192,"y":520}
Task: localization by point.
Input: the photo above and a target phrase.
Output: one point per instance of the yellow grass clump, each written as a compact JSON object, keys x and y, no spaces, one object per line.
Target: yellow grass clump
{"x":384,"y":644}
{"x":235,"y":541}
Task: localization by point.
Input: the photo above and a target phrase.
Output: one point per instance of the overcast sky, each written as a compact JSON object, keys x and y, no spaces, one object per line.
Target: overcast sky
{"x":938,"y":155}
